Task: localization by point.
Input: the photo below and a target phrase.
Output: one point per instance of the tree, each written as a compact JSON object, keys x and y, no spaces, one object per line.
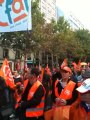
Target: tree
{"x":83,"y":37}
{"x":62,"y":25}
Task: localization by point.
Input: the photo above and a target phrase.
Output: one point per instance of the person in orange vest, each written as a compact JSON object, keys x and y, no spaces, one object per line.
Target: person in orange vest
{"x":33,"y":98}
{"x":65,"y":93}
{"x":80,"y":110}
{"x":65,"y":88}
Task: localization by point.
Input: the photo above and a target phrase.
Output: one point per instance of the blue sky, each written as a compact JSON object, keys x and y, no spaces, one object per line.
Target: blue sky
{"x":80,"y":9}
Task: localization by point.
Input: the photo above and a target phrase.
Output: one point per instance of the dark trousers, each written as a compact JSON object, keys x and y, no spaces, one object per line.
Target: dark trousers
{"x":21,"y":115}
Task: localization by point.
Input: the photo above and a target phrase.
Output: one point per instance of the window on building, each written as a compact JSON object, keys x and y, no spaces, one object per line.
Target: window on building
{"x":5,"y":53}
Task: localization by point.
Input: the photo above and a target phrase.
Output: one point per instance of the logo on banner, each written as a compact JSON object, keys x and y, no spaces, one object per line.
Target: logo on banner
{"x":15,"y":11}
{"x":7,"y":72}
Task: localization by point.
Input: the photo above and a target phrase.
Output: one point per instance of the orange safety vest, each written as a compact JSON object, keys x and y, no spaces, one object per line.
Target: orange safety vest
{"x":39,"y":109}
{"x":78,"y":113}
{"x":33,"y":89}
{"x":67,"y":91}
{"x":56,"y":89}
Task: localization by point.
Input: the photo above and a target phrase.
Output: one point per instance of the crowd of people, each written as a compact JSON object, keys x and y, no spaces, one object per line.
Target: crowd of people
{"x":62,"y":93}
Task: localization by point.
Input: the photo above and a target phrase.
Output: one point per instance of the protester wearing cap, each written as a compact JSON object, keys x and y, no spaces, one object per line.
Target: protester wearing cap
{"x":65,"y":87}
{"x":80,"y":110}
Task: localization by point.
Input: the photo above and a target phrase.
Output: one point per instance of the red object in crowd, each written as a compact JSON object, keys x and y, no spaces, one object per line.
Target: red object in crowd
{"x":64,"y":66}
{"x":7,"y":75}
{"x":64,"y":63}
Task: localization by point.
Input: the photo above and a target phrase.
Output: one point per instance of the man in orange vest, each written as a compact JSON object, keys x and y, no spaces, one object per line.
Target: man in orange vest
{"x":33,"y":97}
{"x":80,"y":110}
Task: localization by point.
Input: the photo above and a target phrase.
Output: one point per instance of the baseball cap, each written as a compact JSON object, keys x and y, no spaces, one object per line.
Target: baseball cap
{"x":83,"y":63}
{"x":85,"y":86}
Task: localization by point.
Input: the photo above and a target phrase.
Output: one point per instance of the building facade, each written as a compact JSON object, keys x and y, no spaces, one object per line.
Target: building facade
{"x":74,"y":22}
{"x":48,"y":8}
{"x":9,"y":54}
{"x":12,"y":56}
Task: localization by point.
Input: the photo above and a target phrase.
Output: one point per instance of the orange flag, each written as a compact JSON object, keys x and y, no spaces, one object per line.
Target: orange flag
{"x":48,"y":70}
{"x":64,"y":63}
{"x":47,"y":67}
{"x":6,"y":74}
{"x":2,"y":74}
{"x":74,"y":65}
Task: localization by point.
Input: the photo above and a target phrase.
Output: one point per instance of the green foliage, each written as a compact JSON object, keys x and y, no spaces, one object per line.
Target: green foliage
{"x":83,"y":37}
{"x":62,"y":25}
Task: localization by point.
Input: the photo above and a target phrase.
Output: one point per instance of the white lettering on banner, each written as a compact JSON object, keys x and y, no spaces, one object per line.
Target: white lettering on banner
{"x":15,"y":15}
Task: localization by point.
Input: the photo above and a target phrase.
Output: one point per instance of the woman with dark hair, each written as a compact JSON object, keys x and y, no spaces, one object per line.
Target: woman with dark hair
{"x":64,"y":85}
